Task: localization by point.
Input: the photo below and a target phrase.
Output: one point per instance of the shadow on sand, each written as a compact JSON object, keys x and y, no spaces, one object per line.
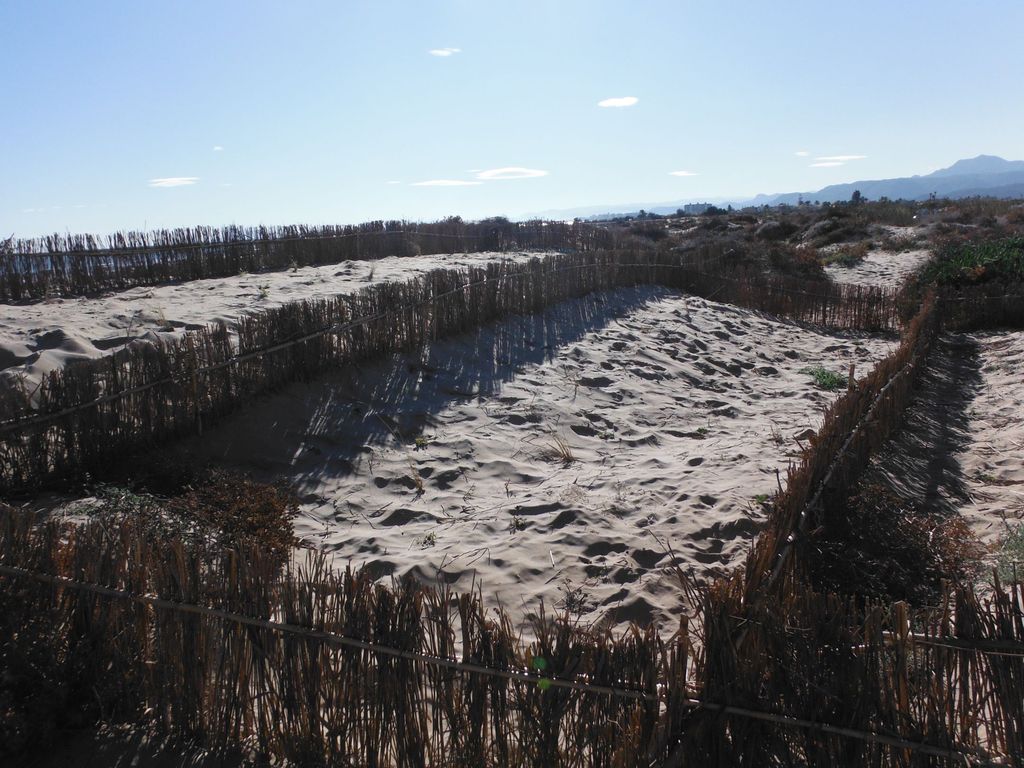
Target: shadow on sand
{"x":326,"y":427}
{"x":920,"y":461}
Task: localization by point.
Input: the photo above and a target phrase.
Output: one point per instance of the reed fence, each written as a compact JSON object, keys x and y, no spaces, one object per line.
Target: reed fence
{"x":320,"y":667}
{"x":80,"y":265}
{"x":83,"y":416}
{"x":854,"y":426}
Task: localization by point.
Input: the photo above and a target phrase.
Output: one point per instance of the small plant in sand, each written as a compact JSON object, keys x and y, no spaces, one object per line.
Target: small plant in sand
{"x":825,"y":379}
{"x":574,"y":599}
{"x":293,"y":265}
{"x":517,"y":523}
{"x":161,"y":317}
{"x":560,"y":451}
{"x":421,"y":442}
{"x":417,"y":479}
{"x":1010,"y":558}
{"x":263,"y":290}
{"x":428,"y":539}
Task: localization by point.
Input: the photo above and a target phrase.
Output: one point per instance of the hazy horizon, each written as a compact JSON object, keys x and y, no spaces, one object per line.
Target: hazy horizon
{"x":124,"y":116}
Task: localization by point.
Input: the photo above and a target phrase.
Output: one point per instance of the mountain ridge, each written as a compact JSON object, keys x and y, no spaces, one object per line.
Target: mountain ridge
{"x":968,"y":177}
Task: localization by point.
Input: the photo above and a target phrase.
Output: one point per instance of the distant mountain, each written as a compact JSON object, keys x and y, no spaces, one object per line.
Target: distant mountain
{"x":984,"y":175}
{"x":982,"y":164}
{"x":981,"y":175}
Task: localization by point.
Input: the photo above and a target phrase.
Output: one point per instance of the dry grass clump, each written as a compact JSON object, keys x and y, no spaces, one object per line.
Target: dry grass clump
{"x":796,"y":260}
{"x":896,"y":243}
{"x":847,"y":255}
{"x":885,"y":546}
{"x":236,"y":511}
{"x":216,"y":510}
{"x":560,"y":451}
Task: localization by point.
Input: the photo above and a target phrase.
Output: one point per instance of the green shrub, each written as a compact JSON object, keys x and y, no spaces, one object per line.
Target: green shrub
{"x":1010,"y":559}
{"x":960,"y":263}
{"x":824,"y":378}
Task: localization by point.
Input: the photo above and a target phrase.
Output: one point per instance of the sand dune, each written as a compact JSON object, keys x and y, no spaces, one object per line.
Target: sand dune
{"x":38,"y":338}
{"x":881,"y":268}
{"x":677,"y":413}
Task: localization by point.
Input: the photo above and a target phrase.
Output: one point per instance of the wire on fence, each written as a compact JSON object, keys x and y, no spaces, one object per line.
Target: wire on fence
{"x":508,"y":674}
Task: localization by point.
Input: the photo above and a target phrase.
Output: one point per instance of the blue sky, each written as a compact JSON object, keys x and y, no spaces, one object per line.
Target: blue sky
{"x":270,"y":112}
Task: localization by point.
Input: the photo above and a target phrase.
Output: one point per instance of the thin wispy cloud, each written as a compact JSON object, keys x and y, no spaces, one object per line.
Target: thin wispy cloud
{"x":174,"y":181}
{"x":802,"y":153}
{"x":826,"y":164}
{"x":619,"y":101}
{"x":218,"y":148}
{"x":682,"y":173}
{"x":444,"y":51}
{"x":840,"y":158}
{"x":394,"y":182}
{"x":502,"y":174}
{"x":447,"y":183}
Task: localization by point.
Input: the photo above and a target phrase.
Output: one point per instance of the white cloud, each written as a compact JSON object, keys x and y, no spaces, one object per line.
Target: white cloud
{"x":681,"y":173}
{"x":394,"y":182}
{"x":826,"y":164}
{"x":444,"y":51}
{"x":502,"y":174}
{"x":619,"y":101}
{"x":174,"y":181}
{"x":447,"y":183}
{"x":802,"y":153}
{"x":218,"y":148}
{"x":840,"y":158}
